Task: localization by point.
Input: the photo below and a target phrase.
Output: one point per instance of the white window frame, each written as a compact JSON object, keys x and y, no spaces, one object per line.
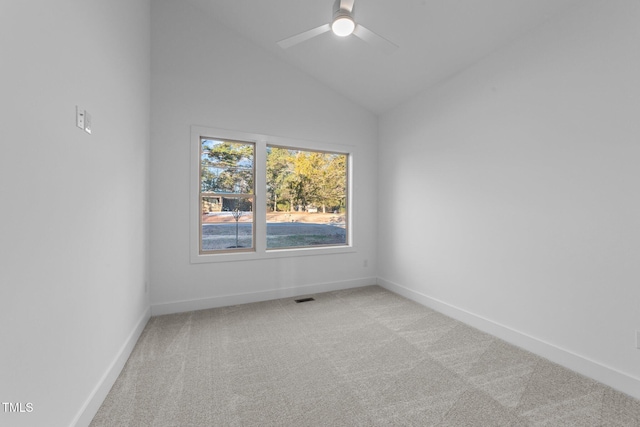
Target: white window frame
{"x":260,"y":206}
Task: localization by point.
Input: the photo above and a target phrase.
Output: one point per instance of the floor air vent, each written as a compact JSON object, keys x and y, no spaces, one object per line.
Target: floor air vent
{"x":304,"y":300}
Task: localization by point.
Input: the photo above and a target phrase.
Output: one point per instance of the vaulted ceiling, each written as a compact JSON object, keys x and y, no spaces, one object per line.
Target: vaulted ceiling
{"x":436,"y":39}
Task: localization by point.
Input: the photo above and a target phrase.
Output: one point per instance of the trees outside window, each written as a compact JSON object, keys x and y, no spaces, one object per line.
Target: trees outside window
{"x":306,"y":198}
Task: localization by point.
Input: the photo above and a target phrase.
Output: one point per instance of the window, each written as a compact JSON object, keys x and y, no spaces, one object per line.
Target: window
{"x":227,"y":222}
{"x":306,"y":198}
{"x":255,"y":197}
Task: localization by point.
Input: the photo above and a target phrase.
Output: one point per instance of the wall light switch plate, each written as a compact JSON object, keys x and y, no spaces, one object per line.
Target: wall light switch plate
{"x":80,"y":117}
{"x":87,"y":122}
{"x":638,"y":340}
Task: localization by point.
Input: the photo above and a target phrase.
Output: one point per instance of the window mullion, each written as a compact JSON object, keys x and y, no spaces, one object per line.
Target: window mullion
{"x":260,"y":189}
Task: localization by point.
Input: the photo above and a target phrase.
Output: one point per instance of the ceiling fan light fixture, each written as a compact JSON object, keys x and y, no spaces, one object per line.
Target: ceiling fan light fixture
{"x":343,"y":25}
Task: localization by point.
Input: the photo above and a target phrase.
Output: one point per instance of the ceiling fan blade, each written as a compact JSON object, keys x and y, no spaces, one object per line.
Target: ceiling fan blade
{"x":299,"y":38}
{"x":376,"y":40}
{"x":347,"y":5}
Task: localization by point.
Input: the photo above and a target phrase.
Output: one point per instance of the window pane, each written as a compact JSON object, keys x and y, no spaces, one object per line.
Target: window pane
{"x":306,"y":198}
{"x":227,"y":173}
{"x":226,"y":166}
{"x":227,"y":223}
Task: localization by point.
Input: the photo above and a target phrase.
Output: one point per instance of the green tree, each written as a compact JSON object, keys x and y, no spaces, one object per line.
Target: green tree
{"x":322,"y":178}
{"x":332,"y":182}
{"x":226,"y":167}
{"x":306,"y":178}
{"x":279,"y":174}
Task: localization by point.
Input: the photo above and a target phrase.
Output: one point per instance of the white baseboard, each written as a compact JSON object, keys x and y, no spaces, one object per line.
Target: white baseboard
{"x":244,"y":298}
{"x":580,"y":364}
{"x":99,"y":393}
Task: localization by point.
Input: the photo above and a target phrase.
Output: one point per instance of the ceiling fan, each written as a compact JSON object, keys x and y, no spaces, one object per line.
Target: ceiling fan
{"x":343,"y":24}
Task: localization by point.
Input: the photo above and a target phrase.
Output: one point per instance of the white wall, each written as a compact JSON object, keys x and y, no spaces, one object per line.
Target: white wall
{"x":203,"y":74}
{"x":73,"y":206}
{"x":517,"y":185}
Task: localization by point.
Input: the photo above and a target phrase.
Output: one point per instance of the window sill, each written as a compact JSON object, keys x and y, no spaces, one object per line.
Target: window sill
{"x":270,"y":254}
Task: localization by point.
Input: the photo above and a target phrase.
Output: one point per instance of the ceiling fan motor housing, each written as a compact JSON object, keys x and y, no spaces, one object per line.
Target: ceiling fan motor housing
{"x":341,"y":13}
{"x":338,"y":10}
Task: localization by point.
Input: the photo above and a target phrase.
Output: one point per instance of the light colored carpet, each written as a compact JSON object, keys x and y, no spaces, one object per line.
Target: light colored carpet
{"x":360,"y":357}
